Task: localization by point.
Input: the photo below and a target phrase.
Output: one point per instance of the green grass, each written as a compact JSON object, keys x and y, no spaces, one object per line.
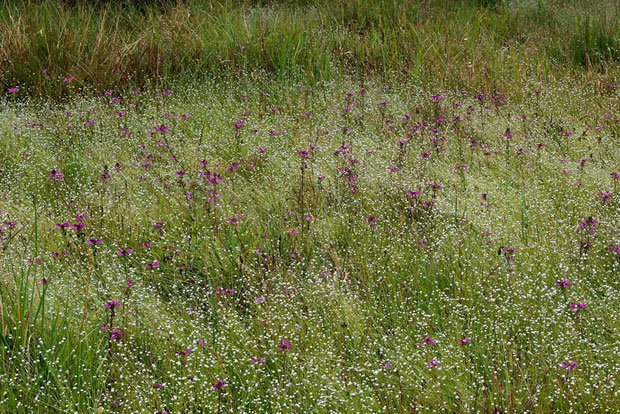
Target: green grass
{"x":451,"y":43}
{"x":597,"y":41}
{"x":331,"y":162}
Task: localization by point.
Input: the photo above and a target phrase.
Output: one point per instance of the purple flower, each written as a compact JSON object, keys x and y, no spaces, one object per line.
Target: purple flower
{"x":303,"y":154}
{"x":372,"y":220}
{"x":577,"y":306}
{"x":433,"y":364}
{"x":219,"y":385}
{"x":563,"y":283}
{"x":258,"y":361}
{"x":77,"y":226}
{"x":10,"y":224}
{"x":55,"y":175}
{"x":93,"y":241}
{"x":233,"y":167}
{"x":509,"y":253}
{"x":112,"y":304}
{"x":234,"y":221}
{"x":35,"y":261}
{"x":162,"y":129}
{"x":166,"y":92}
{"x":588,"y":224}
{"x":223,"y":291}
{"x":153,"y":265}
{"x":428,"y":341}
{"x":13,"y":90}
{"x":464,"y":341}
{"x":284,"y":346}
{"x":414,"y":194}
{"x":105,"y":175}
{"x":124,"y":252}
{"x":116,"y":334}
{"x":569,"y":366}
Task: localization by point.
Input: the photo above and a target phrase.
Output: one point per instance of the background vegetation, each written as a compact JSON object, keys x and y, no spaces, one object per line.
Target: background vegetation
{"x":468,"y":44}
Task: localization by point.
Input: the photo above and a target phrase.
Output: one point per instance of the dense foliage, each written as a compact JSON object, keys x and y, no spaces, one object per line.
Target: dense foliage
{"x":114,"y":44}
{"x":309,"y":206}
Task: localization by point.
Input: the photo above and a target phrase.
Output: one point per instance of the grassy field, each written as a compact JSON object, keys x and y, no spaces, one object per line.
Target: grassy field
{"x":455,"y":44}
{"x":310,"y":207}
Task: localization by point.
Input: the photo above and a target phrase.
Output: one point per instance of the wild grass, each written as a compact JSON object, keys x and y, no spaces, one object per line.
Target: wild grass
{"x":462,"y":44}
{"x":314,"y":234}
{"x":309,"y":206}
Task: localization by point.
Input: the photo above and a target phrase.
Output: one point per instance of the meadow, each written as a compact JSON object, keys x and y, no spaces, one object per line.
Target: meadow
{"x":309,"y":207}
